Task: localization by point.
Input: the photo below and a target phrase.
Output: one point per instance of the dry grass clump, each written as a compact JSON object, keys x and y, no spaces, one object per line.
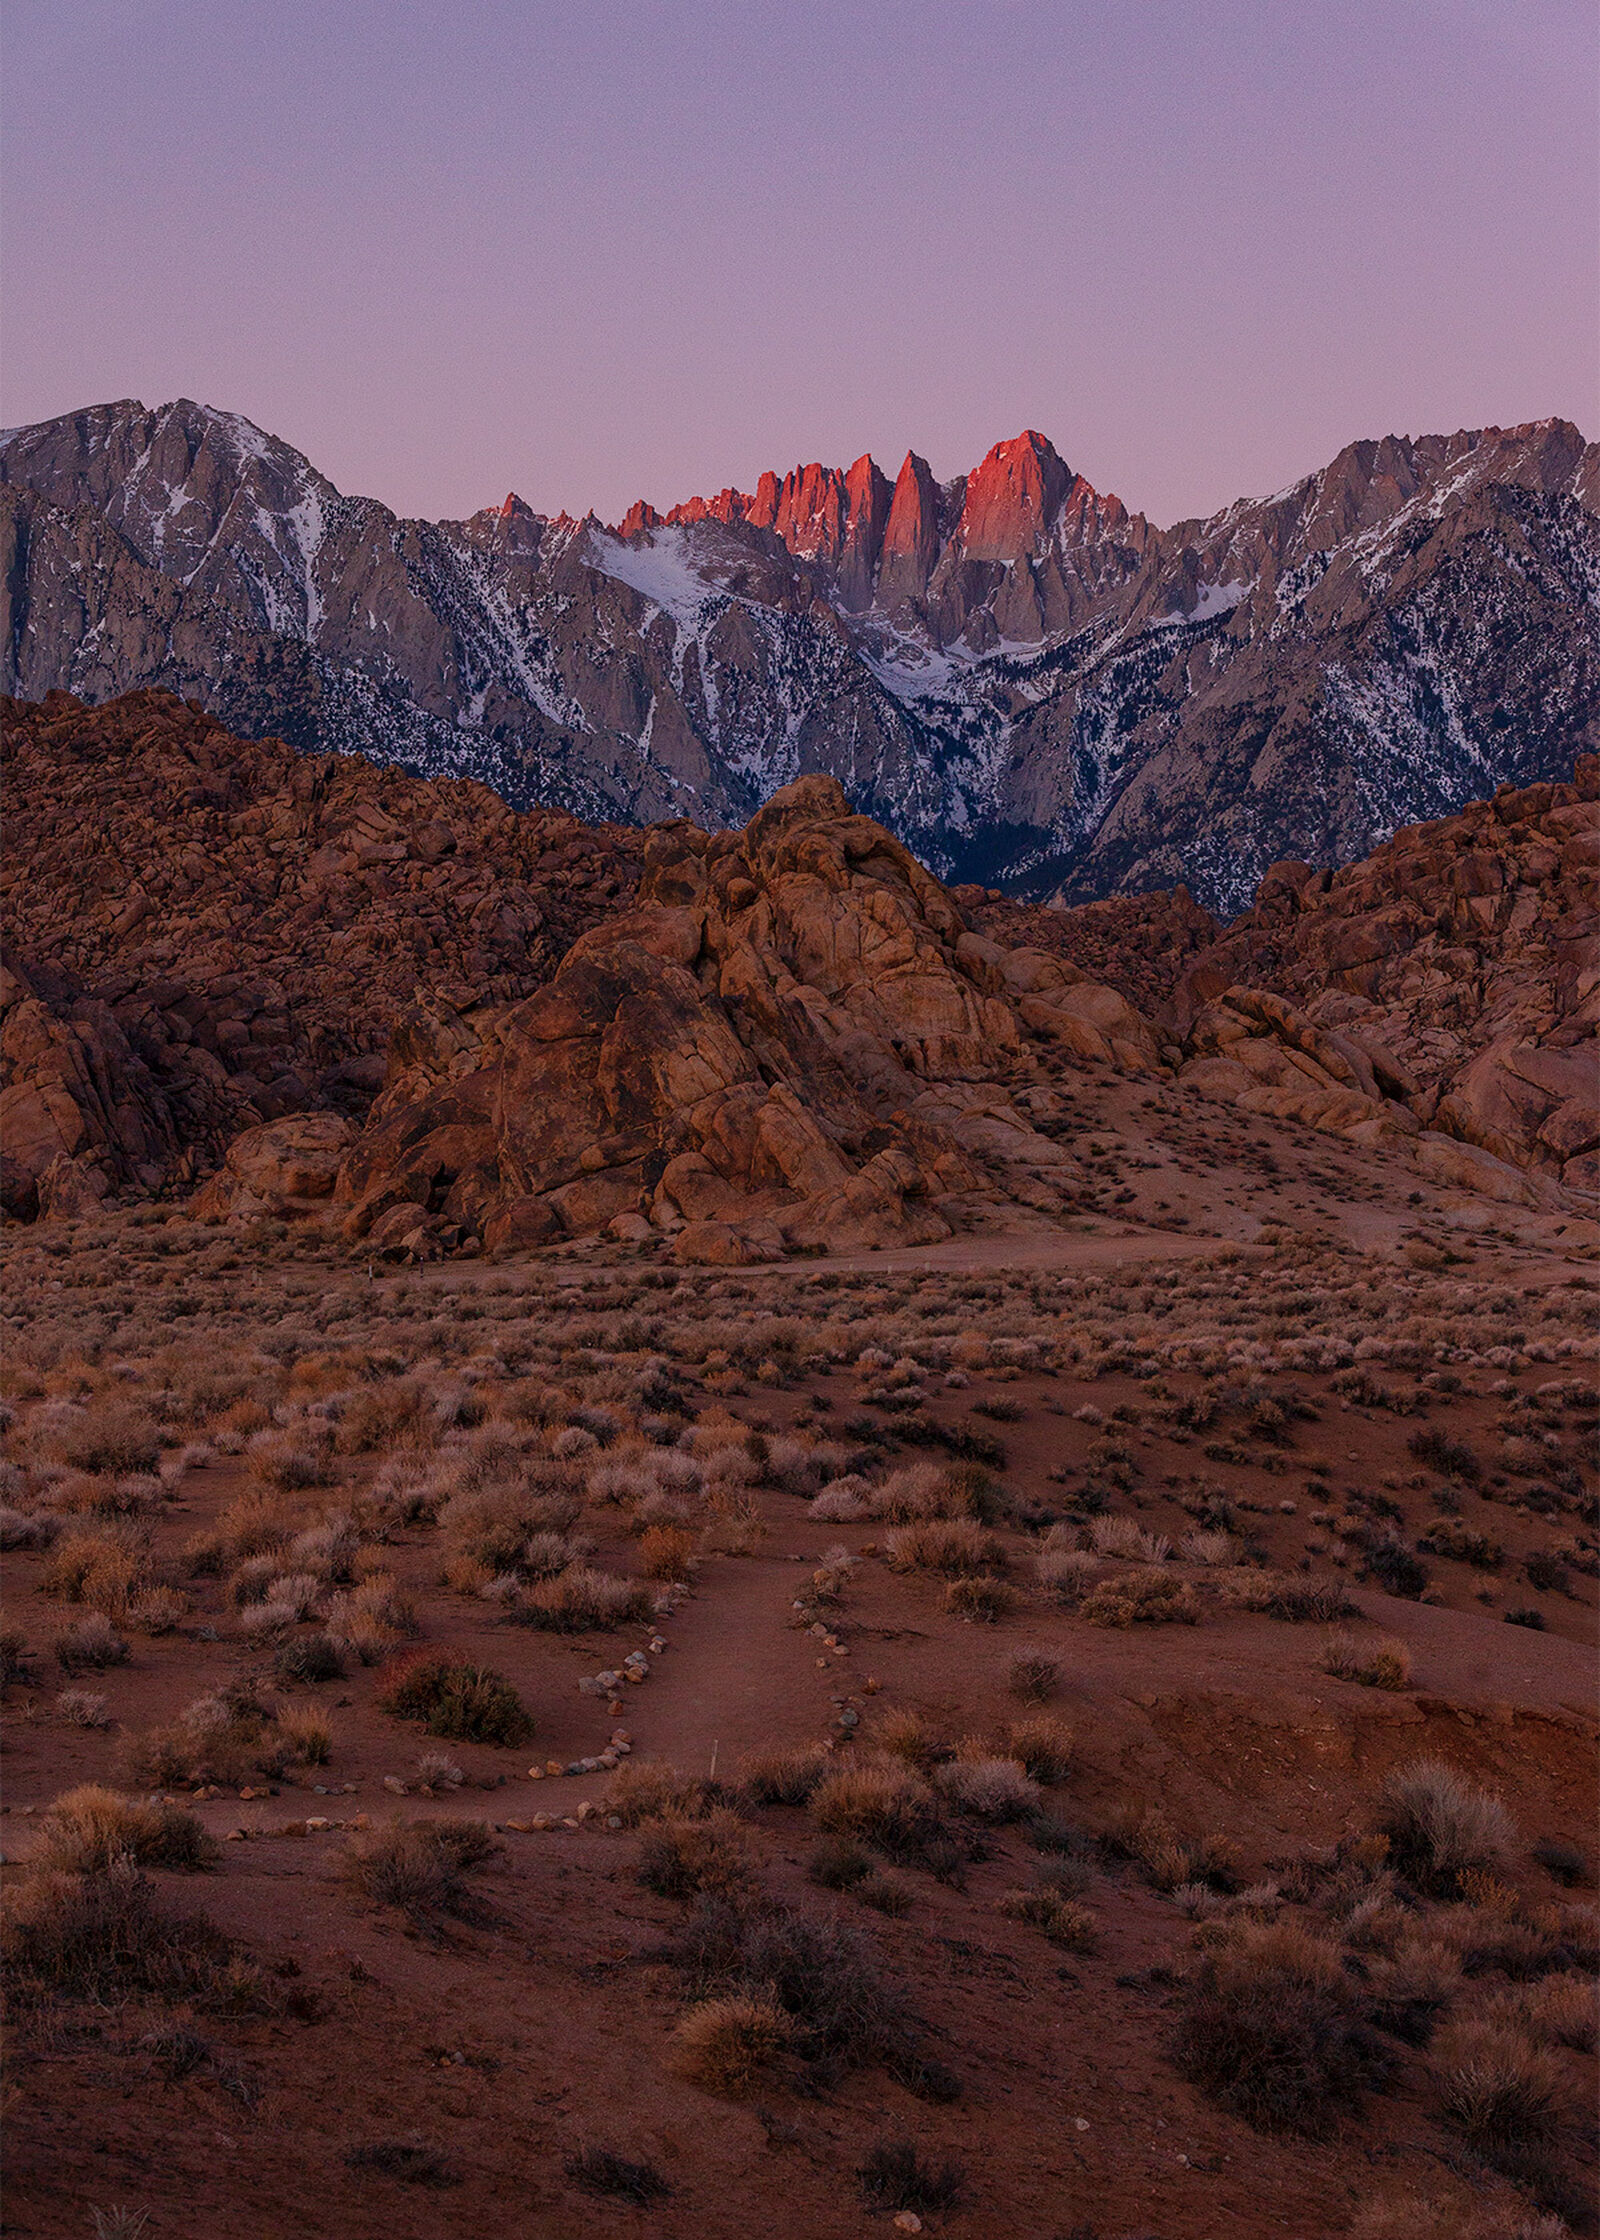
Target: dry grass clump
{"x":992,"y":1789}
{"x":924,"y":1492}
{"x":784,"y":1776}
{"x":1066,"y":1574}
{"x":581,"y":1600}
{"x":957,"y":1547}
{"x":1448,"y":1536}
{"x":1372,"y":1664}
{"x":457,"y":1700}
{"x":307,"y":1733}
{"x":1066,"y":1924}
{"x":1440,"y":1828}
{"x":105,"y":1568}
{"x":882,"y":1801}
{"x":92,"y":1645}
{"x":1033,"y":1676}
{"x":894,"y":2176}
{"x":823,"y":1975}
{"x":1506,"y":2096}
{"x":312,"y":1657}
{"x":229,"y":1738}
{"x":372,"y":1620}
{"x":733,"y":2044}
{"x":1172,"y":1860}
{"x":289,"y":1461}
{"x":79,"y":1708}
{"x":1271,"y":1595}
{"x":1042,"y":1746}
{"x":104,"y":1441}
{"x":418,"y":1866}
{"x":88,"y":1828}
{"x":643,"y":1791}
{"x":980,"y":1601}
{"x":691,"y":1858}
{"x":103,"y":1937}
{"x":907,"y":1735}
{"x":666,"y":1552}
{"x":1558,"y":2010}
{"x":1271,"y":2030}
{"x":615,"y":2177}
{"x":412,"y":2161}
{"x":1141,"y":1598}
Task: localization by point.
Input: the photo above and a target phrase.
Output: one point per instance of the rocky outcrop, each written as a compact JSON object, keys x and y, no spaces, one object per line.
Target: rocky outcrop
{"x":1022,"y":678}
{"x":792,"y":1041}
{"x":1461,"y":958}
{"x":206,"y":934}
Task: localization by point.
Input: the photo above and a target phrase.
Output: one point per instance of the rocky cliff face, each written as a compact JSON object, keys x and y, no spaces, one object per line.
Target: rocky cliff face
{"x":1024,"y":680}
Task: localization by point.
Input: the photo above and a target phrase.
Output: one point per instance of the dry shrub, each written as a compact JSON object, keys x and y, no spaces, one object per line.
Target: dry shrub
{"x":885,"y":1893}
{"x":103,"y":1937}
{"x":1298,"y":1601}
{"x":92,"y":1645}
{"x":907,"y":1735}
{"x":822,"y":1974}
{"x":731,"y":2045}
{"x":388,"y":1415}
{"x":81,"y":1709}
{"x":1066,"y":1574}
{"x":1042,"y":1746}
{"x":836,"y":1863}
{"x":457,"y":1700}
{"x":1412,"y":2216}
{"x":879,"y":1800}
{"x":252,"y":1525}
{"x":580,"y":1600}
{"x":307,"y":1733}
{"x":1141,"y":1598}
{"x":1033,"y":1676}
{"x":1169,"y":1859}
{"x":412,"y":2161}
{"x":666,"y":1552}
{"x":1507,"y":2096}
{"x":643,"y":1791}
{"x":993,"y":1789}
{"x":1062,"y":1920}
{"x":419,"y":1866}
{"x":1271,"y":2030}
{"x":157,"y":1610}
{"x":690,"y":1858}
{"x":1440,"y":1827}
{"x":229,"y":1738}
{"x":921,"y":1492}
{"x":105,"y":1568}
{"x":288,"y":1461}
{"x":894,"y":2176}
{"x":1558,"y":2010}
{"x":1372,"y":1664}
{"x":85,"y":1830}
{"x":980,"y":1601}
{"x":104,"y":1441}
{"x":312,"y":1657}
{"x":957,"y":1547}
{"x":615,"y":2177}
{"x":777,"y":1777}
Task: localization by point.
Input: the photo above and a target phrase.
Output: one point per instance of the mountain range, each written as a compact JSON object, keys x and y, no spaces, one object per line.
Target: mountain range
{"x":1032,"y":686}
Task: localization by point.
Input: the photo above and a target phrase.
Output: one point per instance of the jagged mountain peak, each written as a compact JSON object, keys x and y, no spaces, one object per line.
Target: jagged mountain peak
{"x":1026,"y":680}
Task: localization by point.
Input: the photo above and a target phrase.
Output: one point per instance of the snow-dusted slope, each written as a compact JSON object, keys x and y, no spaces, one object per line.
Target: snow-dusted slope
{"x":1031,"y":684}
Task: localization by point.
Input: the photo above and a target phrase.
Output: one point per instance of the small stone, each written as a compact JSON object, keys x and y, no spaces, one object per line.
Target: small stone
{"x":1080,"y":2123}
{"x":553,"y":1765}
{"x":908,"y":2221}
{"x":315,"y":1827}
{"x":395,"y":1786}
{"x":536,"y":1773}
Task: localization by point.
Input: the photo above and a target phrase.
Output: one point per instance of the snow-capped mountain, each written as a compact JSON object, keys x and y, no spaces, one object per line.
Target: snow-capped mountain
{"x":1031,"y":684}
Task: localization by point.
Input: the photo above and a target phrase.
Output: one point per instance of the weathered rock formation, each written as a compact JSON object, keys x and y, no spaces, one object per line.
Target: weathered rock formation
{"x":1020,"y":677}
{"x":207,"y":933}
{"x":317,"y":988}
{"x":792,"y":1040}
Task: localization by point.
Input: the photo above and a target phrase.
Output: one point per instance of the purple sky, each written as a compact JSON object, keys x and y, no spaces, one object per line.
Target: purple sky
{"x":642,"y":248}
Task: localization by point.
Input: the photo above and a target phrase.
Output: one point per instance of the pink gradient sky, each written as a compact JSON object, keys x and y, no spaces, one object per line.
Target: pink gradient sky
{"x":598,"y":252}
